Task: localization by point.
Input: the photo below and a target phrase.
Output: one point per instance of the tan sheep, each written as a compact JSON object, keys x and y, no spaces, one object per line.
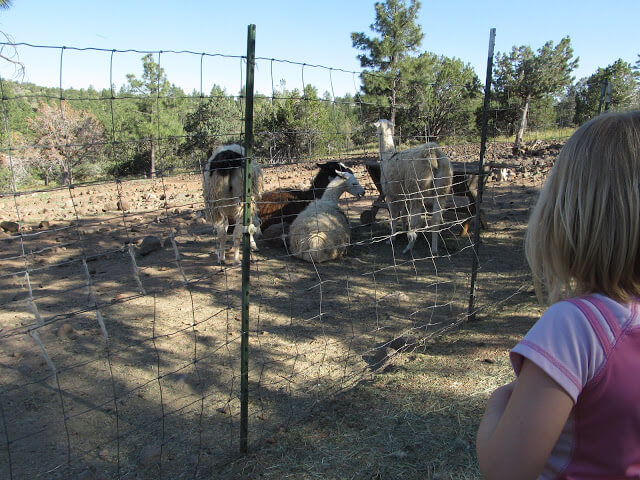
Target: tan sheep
{"x":413,"y":181}
{"x":321,"y":232}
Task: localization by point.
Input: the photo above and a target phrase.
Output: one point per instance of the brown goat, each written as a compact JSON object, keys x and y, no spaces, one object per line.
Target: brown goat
{"x":282,"y":206}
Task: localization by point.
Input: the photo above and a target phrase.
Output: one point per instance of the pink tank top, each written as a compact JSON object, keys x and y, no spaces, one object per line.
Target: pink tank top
{"x":607,"y":412}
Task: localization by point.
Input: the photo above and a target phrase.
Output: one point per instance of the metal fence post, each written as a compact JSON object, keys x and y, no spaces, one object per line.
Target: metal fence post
{"x":246,"y":246}
{"x":471,"y":316}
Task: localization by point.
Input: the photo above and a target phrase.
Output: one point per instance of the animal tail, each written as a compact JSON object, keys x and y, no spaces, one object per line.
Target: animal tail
{"x":316,"y":242}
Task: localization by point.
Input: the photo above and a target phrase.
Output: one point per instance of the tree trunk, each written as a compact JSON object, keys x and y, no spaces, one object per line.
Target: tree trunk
{"x":153,"y":159}
{"x":393,"y":104}
{"x":523,"y":123}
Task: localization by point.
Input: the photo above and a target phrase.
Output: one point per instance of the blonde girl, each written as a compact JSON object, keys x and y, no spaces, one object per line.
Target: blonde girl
{"x":573,"y":411}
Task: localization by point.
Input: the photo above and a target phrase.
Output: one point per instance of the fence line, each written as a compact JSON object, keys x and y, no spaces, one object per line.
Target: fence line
{"x":124,"y":334}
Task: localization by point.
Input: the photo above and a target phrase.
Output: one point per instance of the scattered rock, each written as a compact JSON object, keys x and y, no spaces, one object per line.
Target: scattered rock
{"x":10,"y":227}
{"x":66,"y":331}
{"x":383,"y":358}
{"x":44,"y":225}
{"x":167,"y":243}
{"x":123,"y":205}
{"x":152,"y":454}
{"x":274,"y":235}
{"x":150,"y":244}
{"x":400,"y":297}
{"x":405,"y":343}
{"x":226,"y":410}
{"x":90,"y":474}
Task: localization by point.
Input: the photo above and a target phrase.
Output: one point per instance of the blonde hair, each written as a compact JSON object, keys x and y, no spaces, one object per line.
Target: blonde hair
{"x":584,"y":232}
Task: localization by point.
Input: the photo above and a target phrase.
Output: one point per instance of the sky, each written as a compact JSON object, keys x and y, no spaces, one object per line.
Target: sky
{"x":297,"y":42}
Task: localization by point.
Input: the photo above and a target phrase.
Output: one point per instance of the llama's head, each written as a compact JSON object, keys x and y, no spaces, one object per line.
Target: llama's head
{"x":352,"y":184}
{"x":225,"y":158}
{"x":327,"y":173}
{"x":383,"y":126}
{"x":385,"y":138}
{"x":234,"y":147}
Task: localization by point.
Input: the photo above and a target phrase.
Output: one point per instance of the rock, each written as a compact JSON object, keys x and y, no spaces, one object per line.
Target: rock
{"x":66,"y":331}
{"x":44,"y":225}
{"x":150,"y":244}
{"x":383,"y":358}
{"x":224,"y":410}
{"x":405,"y":343}
{"x":275,"y":234}
{"x":152,"y":454}
{"x":90,"y":474}
{"x":123,"y":205}
{"x":10,"y":227}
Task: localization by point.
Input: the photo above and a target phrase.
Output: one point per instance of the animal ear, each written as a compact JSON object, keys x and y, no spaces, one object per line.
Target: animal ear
{"x":341,"y":174}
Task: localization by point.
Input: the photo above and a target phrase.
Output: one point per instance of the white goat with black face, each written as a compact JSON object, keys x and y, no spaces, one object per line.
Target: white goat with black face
{"x":223,"y":189}
{"x":411,"y":180}
{"x":321,"y":232}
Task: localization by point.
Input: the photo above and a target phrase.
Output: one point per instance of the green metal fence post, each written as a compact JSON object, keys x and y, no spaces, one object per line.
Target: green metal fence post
{"x":246,"y":246}
{"x":483,"y":146}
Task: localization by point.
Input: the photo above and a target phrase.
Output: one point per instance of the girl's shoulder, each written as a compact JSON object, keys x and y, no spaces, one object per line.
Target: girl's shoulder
{"x":571,"y":338}
{"x":603,"y":314}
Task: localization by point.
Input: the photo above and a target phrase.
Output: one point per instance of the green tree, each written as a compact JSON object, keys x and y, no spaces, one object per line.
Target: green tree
{"x":215,"y":121}
{"x":525,"y":76}
{"x":623,"y":82}
{"x":398,"y":36}
{"x":155,"y":106}
{"x":439,"y":95}
{"x":565,"y":107}
{"x":292,"y":125}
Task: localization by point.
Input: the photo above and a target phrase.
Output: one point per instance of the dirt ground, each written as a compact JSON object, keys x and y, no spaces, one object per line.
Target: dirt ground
{"x":120,"y":357}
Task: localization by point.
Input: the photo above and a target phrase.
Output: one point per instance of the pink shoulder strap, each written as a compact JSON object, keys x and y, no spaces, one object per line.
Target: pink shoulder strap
{"x":613,"y":323}
{"x":603,"y":338}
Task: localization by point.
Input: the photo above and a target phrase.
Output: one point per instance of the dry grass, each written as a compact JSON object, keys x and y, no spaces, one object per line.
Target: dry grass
{"x":416,"y":419}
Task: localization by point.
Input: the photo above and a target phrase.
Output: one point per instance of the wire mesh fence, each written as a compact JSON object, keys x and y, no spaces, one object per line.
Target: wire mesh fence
{"x":121,"y":331}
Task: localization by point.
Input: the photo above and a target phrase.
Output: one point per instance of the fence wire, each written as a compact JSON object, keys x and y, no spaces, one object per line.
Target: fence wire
{"x":120,"y":331}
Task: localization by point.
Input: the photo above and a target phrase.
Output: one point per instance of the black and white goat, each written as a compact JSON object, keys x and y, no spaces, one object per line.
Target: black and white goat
{"x":223,"y":188}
